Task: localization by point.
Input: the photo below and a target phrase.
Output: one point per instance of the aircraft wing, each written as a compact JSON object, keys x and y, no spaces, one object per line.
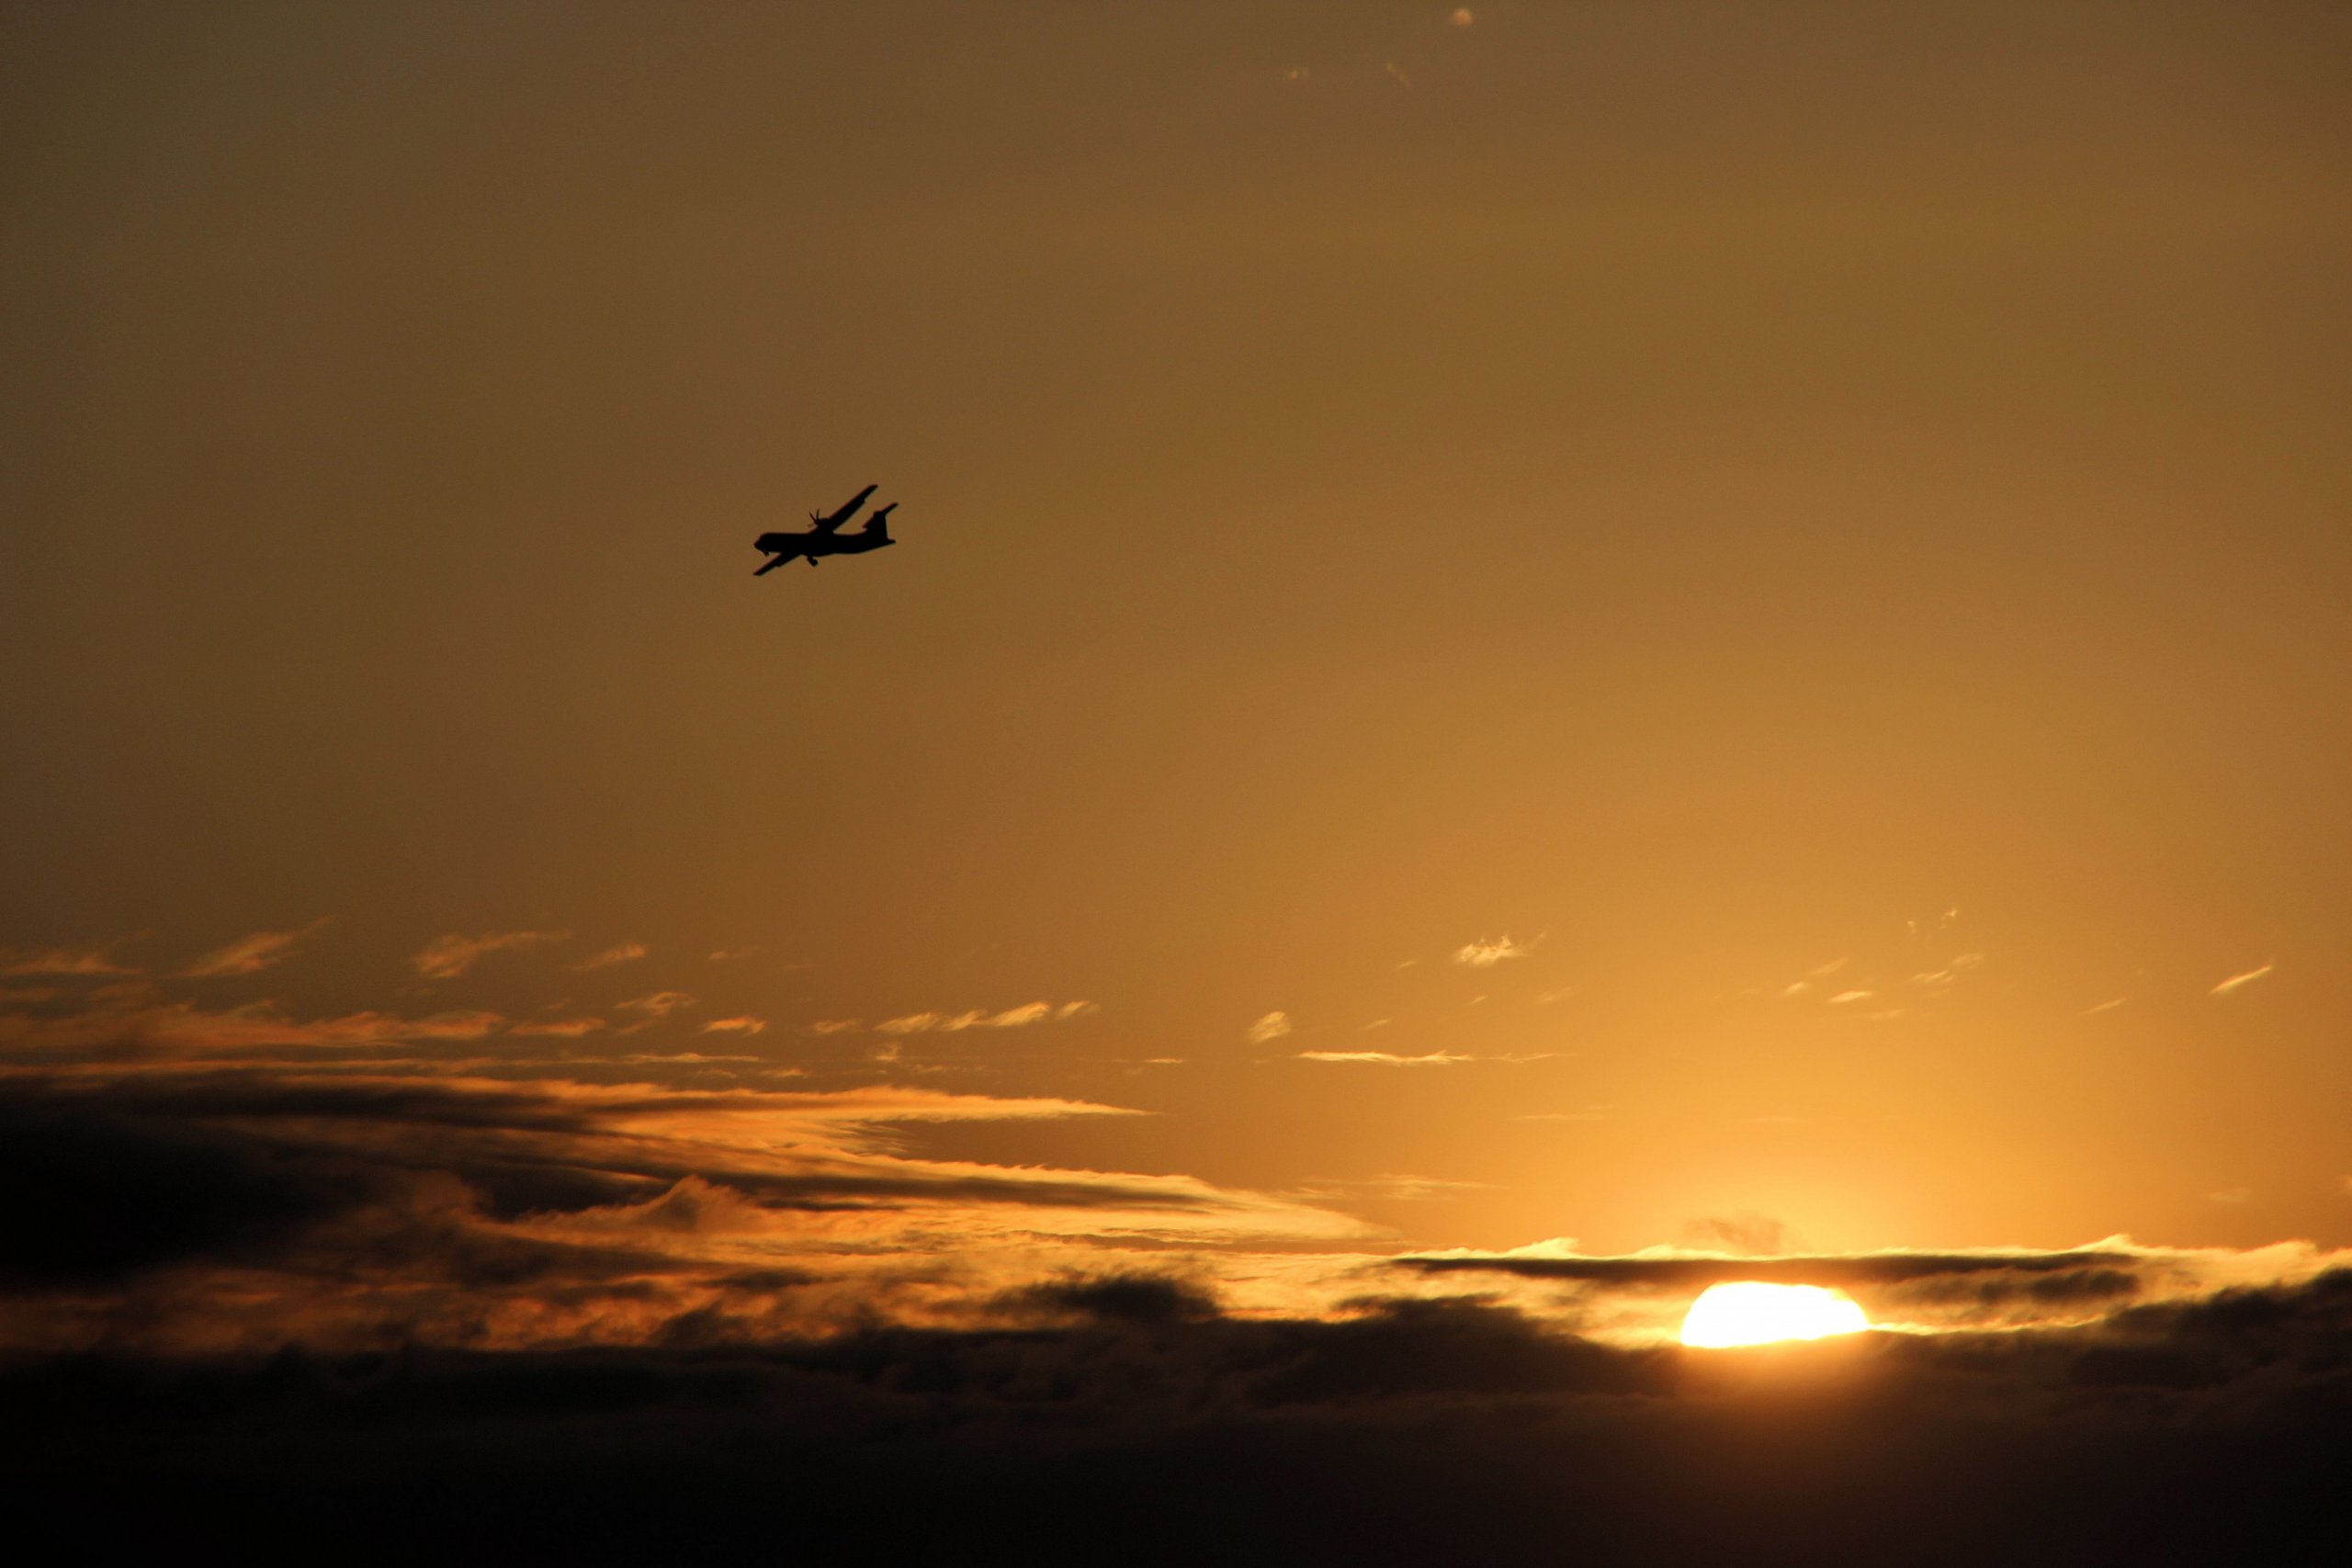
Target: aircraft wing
{"x":833,"y":521}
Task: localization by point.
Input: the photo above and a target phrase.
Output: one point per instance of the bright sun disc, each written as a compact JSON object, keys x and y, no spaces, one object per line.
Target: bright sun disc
{"x":1750,"y":1313}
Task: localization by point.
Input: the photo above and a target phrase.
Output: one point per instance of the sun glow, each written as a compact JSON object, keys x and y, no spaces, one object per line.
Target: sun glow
{"x":1751,"y":1312}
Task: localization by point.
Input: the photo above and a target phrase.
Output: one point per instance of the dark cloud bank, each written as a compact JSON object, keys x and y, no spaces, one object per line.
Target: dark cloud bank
{"x":1149,"y":1429}
{"x":1096,"y":1417}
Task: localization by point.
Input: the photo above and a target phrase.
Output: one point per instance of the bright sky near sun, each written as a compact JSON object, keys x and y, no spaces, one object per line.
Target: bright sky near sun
{"x":1684,"y":625}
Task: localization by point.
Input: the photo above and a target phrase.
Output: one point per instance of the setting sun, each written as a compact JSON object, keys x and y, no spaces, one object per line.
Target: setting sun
{"x":1750,"y":1313}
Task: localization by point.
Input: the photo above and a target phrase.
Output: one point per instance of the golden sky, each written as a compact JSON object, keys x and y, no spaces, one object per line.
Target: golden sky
{"x":1572,"y":627}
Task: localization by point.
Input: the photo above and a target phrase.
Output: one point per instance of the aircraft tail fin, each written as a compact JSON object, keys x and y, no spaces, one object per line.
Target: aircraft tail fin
{"x":878,"y":525}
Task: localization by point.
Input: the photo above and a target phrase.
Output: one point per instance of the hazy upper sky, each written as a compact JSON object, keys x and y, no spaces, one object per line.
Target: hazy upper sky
{"x":1734,"y":613}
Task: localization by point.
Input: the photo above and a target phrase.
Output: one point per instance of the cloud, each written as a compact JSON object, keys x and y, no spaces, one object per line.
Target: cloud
{"x":1395,"y":1188}
{"x":836,"y":1026}
{"x":1385,"y":1058}
{"x":619,"y":952}
{"x":344,"y":1199}
{"x":951,"y":1024}
{"x":659,"y":1004}
{"x":1961,"y":1289}
{"x":1746,"y":1232}
{"x":141,"y":1021}
{"x":65,"y":960}
{"x":2108,"y":1006}
{"x":1487,"y":955}
{"x":1844,"y":997}
{"x":251,"y":954}
{"x":243,"y":1283}
{"x":564,"y":1028}
{"x":1461,"y":16}
{"x":743,"y":1024}
{"x":1273,"y":1026}
{"x":292,"y":1276}
{"x":1136,"y":1415}
{"x":689,"y":1058}
{"x":2235,"y":981}
{"x":446,"y":957}
{"x":1011,"y":1018}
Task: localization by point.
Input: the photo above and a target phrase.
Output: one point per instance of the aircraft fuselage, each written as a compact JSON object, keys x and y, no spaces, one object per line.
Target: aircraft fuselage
{"x":793,"y":545}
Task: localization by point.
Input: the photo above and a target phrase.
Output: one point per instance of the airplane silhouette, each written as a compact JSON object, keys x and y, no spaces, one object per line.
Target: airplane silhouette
{"x":827,"y":538}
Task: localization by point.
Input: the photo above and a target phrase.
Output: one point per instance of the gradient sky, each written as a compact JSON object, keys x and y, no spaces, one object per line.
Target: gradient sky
{"x":1664,"y":624}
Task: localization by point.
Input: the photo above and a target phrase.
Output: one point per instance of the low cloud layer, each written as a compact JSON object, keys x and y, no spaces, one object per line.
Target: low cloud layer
{"x":1132,"y":1416}
{"x":254,"y":1265}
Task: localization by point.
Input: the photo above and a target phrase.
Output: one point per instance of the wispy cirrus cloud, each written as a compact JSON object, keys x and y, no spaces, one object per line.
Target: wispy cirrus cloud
{"x":251,"y":954}
{"x":66,"y":961}
{"x":1273,"y":1026}
{"x":660,"y":1004}
{"x":619,"y":952}
{"x":446,"y":957}
{"x":1394,"y":1188}
{"x":744,"y":1023}
{"x":140,"y":1020}
{"x":2238,"y":982}
{"x":562,"y":1027}
{"x":951,"y":1024}
{"x":1386,"y":1058}
{"x":1487,"y":955}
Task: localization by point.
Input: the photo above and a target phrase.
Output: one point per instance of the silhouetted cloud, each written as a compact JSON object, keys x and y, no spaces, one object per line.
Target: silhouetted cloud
{"x":251,"y":954}
{"x":1127,"y":1418}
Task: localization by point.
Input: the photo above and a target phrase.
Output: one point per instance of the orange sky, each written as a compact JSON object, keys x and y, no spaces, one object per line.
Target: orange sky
{"x":1734,"y":613}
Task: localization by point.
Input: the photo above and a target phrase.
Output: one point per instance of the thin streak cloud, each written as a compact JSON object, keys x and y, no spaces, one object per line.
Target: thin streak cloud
{"x":251,"y":954}
{"x":955,"y":1023}
{"x":2237,"y":982}
{"x":1386,"y":1058}
{"x":67,"y":961}
{"x":446,"y":957}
